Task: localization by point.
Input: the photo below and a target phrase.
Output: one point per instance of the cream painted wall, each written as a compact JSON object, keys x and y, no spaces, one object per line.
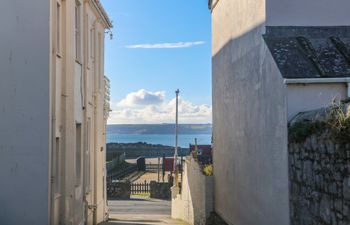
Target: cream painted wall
{"x":306,"y":97}
{"x":43,"y":94}
{"x":308,"y":13}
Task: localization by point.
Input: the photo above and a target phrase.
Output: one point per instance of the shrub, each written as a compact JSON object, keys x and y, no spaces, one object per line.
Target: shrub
{"x":208,"y":170}
{"x":338,"y":123}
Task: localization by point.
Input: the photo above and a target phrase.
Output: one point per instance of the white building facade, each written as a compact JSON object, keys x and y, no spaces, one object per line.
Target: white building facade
{"x":53,"y":117}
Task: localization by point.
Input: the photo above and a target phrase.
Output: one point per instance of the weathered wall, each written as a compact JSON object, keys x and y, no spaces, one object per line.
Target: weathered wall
{"x":24,"y":112}
{"x":160,"y":190}
{"x":119,"y":190}
{"x":249,"y":119}
{"x":195,"y":203}
{"x":308,"y":13}
{"x":319,"y":169}
{"x":306,"y":97}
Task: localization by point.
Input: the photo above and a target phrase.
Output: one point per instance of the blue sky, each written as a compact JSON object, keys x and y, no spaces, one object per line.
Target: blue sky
{"x":157,"y":47}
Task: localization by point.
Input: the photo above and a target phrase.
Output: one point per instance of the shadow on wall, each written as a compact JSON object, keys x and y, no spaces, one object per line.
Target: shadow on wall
{"x":250,"y":132}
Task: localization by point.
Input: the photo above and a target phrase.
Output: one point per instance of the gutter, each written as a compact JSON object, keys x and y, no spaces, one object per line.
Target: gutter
{"x":212,"y":5}
{"x":103,"y":13}
{"x":319,"y":81}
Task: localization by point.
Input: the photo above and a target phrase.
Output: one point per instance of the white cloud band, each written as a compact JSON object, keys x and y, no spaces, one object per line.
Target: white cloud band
{"x":142,"y":97}
{"x":127,"y":112}
{"x":167,"y":45}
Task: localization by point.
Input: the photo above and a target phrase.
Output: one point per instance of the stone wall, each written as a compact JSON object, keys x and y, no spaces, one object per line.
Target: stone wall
{"x":160,"y":190}
{"x":119,"y":190}
{"x":195,"y":203}
{"x":319,"y":169}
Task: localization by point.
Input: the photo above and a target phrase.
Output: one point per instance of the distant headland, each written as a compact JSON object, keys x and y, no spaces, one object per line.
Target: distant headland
{"x":159,"y":128}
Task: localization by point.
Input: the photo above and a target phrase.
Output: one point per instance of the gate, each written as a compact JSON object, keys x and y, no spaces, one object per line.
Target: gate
{"x":140,"y":188}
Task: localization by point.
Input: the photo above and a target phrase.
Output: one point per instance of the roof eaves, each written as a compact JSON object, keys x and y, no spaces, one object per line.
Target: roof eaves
{"x":212,"y":4}
{"x":103,"y":13}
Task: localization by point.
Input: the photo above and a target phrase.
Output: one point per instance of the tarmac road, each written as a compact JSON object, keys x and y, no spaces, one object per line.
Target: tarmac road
{"x":140,"y":211}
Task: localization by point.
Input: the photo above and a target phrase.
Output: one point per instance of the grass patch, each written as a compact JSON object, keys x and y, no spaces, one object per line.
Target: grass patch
{"x":340,"y":124}
{"x":142,"y":195}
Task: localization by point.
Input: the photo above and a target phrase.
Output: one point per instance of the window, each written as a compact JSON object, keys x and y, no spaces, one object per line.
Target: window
{"x":78,"y":154}
{"x":58,"y":28}
{"x":77,"y":30}
{"x":92,"y":47}
{"x":56,"y":167}
{"x":103,"y":188}
{"x":87,"y":157}
{"x":99,"y":59}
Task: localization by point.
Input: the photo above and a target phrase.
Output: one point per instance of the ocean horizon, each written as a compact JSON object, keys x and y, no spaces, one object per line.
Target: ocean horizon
{"x":163,"y":139}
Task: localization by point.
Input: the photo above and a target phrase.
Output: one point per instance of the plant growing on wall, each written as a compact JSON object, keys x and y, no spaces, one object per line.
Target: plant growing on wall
{"x":337,"y":121}
{"x":208,"y":170}
{"x":340,"y":124}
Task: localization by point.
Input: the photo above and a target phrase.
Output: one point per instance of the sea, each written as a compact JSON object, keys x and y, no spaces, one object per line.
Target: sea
{"x":163,"y":139}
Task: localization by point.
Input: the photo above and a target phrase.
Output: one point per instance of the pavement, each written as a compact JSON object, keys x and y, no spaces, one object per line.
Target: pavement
{"x":140,"y":211}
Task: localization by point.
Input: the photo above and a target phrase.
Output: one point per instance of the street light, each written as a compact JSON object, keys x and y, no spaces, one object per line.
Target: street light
{"x":177,"y":92}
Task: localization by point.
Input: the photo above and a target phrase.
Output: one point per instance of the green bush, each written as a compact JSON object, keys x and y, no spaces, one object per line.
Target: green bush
{"x":340,"y":124}
{"x":208,"y":170}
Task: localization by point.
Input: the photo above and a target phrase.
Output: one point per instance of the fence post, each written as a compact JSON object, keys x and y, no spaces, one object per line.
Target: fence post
{"x":158,"y":169}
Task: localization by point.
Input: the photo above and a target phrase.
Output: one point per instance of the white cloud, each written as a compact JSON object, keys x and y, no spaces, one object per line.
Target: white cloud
{"x":142,"y":97}
{"x":167,"y":45}
{"x":160,"y":113}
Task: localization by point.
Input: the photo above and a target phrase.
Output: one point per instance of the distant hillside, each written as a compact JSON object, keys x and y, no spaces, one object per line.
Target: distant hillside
{"x":159,"y":129}
{"x":134,"y":150}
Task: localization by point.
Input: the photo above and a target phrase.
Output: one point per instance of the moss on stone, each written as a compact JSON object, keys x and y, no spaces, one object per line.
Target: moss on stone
{"x":299,"y":131}
{"x":338,"y":123}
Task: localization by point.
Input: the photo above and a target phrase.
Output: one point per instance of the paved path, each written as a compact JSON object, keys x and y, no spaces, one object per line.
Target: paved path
{"x":140,"y":211}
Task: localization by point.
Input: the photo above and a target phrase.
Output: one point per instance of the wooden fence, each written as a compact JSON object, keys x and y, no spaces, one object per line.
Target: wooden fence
{"x":121,"y":173}
{"x":140,"y":188}
{"x":153,"y":167}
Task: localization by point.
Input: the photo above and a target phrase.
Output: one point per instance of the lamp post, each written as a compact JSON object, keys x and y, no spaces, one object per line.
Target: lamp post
{"x":177,"y":92}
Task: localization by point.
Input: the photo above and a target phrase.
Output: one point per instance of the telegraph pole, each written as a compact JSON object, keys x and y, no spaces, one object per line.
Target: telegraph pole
{"x":177,"y":92}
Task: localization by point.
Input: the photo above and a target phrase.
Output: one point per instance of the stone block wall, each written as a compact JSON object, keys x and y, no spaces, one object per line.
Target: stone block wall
{"x":319,"y":170}
{"x":160,"y":190}
{"x":119,"y":190}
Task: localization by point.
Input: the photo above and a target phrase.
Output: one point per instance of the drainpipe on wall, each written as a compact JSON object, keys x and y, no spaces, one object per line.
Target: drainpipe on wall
{"x":348,"y":89}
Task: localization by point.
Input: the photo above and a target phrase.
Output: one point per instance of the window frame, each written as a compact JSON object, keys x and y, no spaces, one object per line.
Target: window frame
{"x":57,"y":167}
{"x":87,"y":157}
{"x":78,"y":30}
{"x":99,"y":60}
{"x":58,"y":28}
{"x":78,"y":154}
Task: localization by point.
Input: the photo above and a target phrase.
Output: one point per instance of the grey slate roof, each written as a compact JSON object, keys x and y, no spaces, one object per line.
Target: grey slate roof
{"x":310,"y":52}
